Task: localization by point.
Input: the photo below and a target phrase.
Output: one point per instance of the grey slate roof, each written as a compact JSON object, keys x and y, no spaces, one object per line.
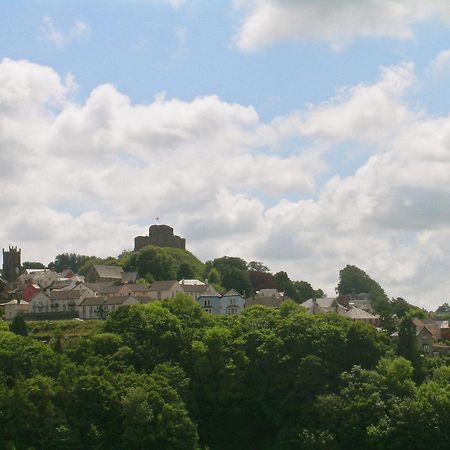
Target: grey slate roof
{"x":105,"y":300}
{"x":360,"y":314}
{"x":264,"y":300}
{"x":59,"y":284}
{"x":231,"y":293}
{"x":99,"y":287}
{"x":108,"y":271}
{"x":326,"y":304}
{"x":136,"y":287}
{"x":73,"y":294}
{"x":129,"y":277}
{"x":194,"y":287}
{"x":162,"y":285}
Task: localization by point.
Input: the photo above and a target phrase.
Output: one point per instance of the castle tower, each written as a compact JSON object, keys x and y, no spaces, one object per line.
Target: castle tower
{"x":11,"y":264}
{"x":160,"y":236}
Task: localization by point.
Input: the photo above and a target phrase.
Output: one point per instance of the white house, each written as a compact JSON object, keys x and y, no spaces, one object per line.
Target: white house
{"x":14,"y":307}
{"x":100,"y":307}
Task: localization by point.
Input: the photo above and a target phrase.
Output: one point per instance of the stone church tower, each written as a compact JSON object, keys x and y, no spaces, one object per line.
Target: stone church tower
{"x":11,"y":264}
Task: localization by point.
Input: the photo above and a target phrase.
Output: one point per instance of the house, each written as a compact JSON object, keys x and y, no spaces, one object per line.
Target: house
{"x":67,"y":273}
{"x":98,"y":308}
{"x":269,"y":298}
{"x":210,"y":303}
{"x":360,"y":301}
{"x":324,"y":305}
{"x":62,"y":301}
{"x":228,"y":304}
{"x":432,"y":325}
{"x":138,"y":290}
{"x":358,"y":314}
{"x":14,"y":307}
{"x":129,"y":277}
{"x":29,"y":291}
{"x":55,"y":303}
{"x":97,"y":273}
{"x":197,"y":290}
{"x":425,"y":338}
{"x":193,"y":281}
{"x":160,"y":290}
{"x":232,"y":303}
{"x":40,"y":303}
{"x":445,"y":330}
{"x":41,"y":277}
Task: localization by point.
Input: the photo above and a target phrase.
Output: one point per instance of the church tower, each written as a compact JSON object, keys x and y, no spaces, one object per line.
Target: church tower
{"x":11,"y":264}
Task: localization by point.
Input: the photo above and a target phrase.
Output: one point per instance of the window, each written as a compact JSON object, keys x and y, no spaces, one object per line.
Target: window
{"x":207,"y":302}
{"x":208,"y":310}
{"x":232,"y":301}
{"x":232,"y":310}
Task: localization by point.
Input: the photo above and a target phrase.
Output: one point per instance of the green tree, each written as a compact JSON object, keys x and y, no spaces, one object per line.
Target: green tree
{"x":18,"y":326}
{"x":285,"y":285}
{"x":256,"y":266}
{"x":159,"y":264}
{"x":71,"y":261}
{"x":238,"y":280}
{"x":185,"y":271}
{"x":33,"y":265}
{"x":408,"y":345}
{"x":353,"y":280}
{"x":213,"y":276}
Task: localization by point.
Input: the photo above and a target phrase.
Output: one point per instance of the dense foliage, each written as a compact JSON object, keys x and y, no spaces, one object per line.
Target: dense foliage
{"x":168,"y":376}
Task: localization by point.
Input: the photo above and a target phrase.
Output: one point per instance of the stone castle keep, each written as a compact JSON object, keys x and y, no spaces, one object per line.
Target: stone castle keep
{"x":160,"y":236}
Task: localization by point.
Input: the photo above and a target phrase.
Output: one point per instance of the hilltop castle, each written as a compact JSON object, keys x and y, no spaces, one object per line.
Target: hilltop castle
{"x":160,"y":236}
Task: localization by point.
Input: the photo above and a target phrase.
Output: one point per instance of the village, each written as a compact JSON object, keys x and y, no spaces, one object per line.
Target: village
{"x":45,"y":294}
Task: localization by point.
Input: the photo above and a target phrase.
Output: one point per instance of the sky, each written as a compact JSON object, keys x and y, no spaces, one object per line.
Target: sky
{"x":306,"y":134}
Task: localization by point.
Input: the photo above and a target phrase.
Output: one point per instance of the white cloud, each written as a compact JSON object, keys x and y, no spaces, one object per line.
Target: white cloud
{"x":267,"y":21}
{"x":79,"y":30}
{"x":441,"y":64}
{"x":89,"y":177}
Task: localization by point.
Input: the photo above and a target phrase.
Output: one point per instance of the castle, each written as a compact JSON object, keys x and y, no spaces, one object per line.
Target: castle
{"x":160,"y":236}
{"x":11,"y":264}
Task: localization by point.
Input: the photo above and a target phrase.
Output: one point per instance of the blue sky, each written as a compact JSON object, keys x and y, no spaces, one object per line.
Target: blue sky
{"x":283,"y":124}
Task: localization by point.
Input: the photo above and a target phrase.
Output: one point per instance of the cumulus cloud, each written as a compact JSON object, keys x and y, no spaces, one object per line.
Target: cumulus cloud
{"x":49,"y":31}
{"x":88,"y":177}
{"x":441,"y":64}
{"x":267,"y":21}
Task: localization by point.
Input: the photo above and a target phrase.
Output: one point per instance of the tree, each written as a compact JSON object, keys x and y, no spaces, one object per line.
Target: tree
{"x":353,"y":280}
{"x":238,"y":280}
{"x":18,"y":326}
{"x":262,"y":280}
{"x":400,"y":307}
{"x":33,"y":265}
{"x":408,"y":345}
{"x":227,"y":263}
{"x":213,"y":276}
{"x":305,"y":291}
{"x":154,"y":261}
{"x":444,"y":308}
{"x":285,"y":285}
{"x":71,"y":261}
{"x":185,"y":271}
{"x":256,"y":266}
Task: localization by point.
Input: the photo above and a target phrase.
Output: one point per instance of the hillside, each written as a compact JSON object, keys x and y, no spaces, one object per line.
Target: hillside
{"x":162,"y":263}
